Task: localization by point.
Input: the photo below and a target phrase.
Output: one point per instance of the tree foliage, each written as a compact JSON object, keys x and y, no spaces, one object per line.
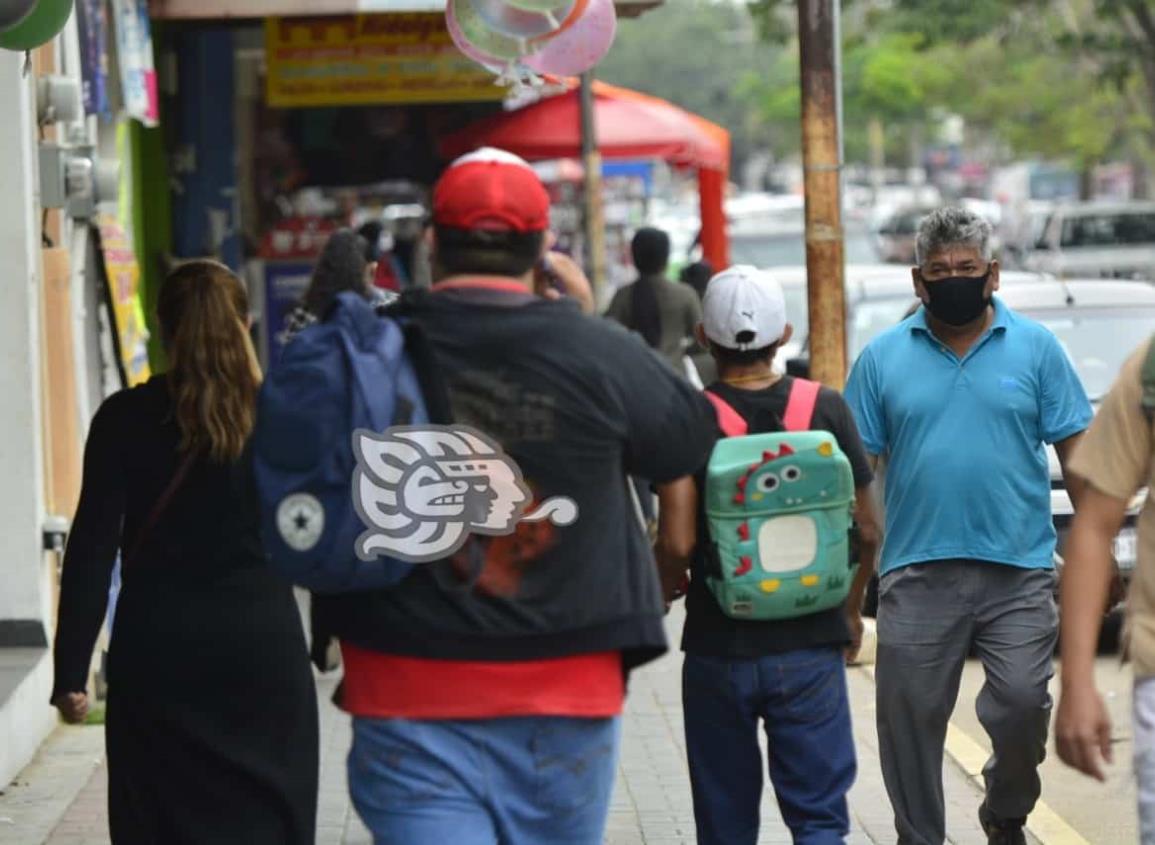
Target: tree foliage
{"x":1059,"y":79}
{"x":1070,"y":79}
{"x":701,"y":55}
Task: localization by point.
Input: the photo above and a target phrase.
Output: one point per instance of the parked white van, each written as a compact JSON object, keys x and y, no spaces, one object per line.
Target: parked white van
{"x":1104,"y":240}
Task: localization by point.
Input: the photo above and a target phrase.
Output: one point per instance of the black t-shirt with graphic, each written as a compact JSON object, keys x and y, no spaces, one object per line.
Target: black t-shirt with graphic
{"x":709,"y":631}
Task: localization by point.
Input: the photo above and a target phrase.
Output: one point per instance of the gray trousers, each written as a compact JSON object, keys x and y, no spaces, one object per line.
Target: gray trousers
{"x":929,"y":616}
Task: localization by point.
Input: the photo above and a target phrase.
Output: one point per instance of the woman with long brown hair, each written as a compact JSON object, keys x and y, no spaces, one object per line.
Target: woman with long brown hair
{"x":212,"y":717}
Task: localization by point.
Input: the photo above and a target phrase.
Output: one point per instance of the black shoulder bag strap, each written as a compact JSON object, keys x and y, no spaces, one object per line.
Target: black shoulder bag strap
{"x":435,"y":391}
{"x":159,"y":508}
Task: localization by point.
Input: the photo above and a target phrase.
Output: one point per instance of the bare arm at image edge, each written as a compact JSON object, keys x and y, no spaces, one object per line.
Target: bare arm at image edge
{"x":1113,"y":457}
{"x":1076,"y":485}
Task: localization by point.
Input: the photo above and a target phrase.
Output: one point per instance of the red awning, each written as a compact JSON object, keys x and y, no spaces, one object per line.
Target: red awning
{"x":630,"y":125}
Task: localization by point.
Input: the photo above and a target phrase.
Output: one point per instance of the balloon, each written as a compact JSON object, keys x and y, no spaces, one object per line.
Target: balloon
{"x":43,"y":24}
{"x":13,"y":12}
{"x":506,"y":19}
{"x":533,"y":5}
{"x":477,"y":38}
{"x":575,"y":13}
{"x":583,"y":45}
{"x":491,"y":63}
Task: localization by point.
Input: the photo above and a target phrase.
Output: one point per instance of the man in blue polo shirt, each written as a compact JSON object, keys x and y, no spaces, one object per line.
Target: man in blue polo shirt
{"x":960,"y":399}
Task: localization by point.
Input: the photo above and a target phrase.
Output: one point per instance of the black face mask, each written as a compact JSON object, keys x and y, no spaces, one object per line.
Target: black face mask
{"x":958,"y":300}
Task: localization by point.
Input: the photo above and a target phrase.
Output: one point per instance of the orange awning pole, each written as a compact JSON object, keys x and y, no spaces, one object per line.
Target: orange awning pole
{"x":711,"y":198}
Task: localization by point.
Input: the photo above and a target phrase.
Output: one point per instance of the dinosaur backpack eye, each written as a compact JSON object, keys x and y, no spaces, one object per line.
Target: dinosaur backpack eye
{"x":791,"y":474}
{"x":768,"y":483}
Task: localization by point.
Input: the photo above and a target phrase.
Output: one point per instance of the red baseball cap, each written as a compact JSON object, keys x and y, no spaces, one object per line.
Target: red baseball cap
{"x":492,"y":190}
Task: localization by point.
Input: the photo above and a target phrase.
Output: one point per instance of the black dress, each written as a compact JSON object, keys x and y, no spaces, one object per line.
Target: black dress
{"x":211,"y":723}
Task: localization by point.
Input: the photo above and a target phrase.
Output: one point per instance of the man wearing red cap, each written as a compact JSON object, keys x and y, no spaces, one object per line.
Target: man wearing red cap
{"x":486,"y":689}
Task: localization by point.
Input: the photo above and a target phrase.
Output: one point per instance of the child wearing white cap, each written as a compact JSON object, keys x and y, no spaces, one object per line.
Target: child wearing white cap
{"x":787,"y":673}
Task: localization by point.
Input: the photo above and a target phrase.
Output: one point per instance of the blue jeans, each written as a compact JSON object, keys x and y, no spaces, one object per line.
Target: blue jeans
{"x":517,"y":781}
{"x":801,"y":698}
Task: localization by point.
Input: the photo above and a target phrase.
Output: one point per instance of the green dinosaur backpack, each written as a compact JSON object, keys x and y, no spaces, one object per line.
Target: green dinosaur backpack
{"x":778,"y":508}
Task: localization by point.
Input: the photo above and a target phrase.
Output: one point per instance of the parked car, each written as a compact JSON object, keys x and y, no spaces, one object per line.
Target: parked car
{"x":895,"y":235}
{"x":781,"y":242}
{"x":894,"y":239}
{"x":1098,"y":323}
{"x":1104,"y":240}
{"x":862,"y":281}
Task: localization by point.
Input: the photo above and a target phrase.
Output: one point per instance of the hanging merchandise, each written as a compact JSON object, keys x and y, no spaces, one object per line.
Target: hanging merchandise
{"x":121,"y":276}
{"x":43,"y":23}
{"x":581,"y":46}
{"x":506,"y":19}
{"x":137,"y":72}
{"x":92,"y":22}
{"x":13,"y":12}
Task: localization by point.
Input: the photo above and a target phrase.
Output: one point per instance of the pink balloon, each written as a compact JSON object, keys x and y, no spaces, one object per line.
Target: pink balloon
{"x":507,"y":19}
{"x":579,"y":48}
{"x":489,"y":62}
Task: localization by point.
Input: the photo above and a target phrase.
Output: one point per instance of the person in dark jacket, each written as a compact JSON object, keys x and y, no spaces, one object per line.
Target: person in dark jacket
{"x":211,"y":726}
{"x":487,"y":688}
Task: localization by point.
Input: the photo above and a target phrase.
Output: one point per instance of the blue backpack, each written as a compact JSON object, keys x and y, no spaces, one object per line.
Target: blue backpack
{"x":352,"y":371}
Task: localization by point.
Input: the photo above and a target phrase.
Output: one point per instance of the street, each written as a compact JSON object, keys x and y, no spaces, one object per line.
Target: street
{"x":59,"y":799}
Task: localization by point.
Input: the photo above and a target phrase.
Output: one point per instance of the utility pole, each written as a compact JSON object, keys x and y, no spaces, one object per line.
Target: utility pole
{"x":594,"y":217}
{"x":818,"y":36}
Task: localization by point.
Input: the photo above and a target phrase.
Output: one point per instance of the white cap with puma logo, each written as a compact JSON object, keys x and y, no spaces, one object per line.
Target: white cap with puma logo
{"x":744,"y":309}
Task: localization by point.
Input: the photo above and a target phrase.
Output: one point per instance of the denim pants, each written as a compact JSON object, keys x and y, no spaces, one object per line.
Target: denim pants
{"x":515,"y":781}
{"x":801,"y":698}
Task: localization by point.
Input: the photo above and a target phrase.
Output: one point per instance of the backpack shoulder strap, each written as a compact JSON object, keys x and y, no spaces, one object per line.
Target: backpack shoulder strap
{"x":800,"y":406}
{"x":730,"y":421}
{"x":1148,"y":378}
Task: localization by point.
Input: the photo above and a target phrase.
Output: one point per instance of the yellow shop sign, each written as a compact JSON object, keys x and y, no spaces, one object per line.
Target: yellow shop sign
{"x":368,"y":60}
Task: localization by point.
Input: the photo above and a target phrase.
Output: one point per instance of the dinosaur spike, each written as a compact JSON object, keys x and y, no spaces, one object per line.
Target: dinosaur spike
{"x":745,"y":565}
{"x":744,"y":531}
{"x":740,"y":499}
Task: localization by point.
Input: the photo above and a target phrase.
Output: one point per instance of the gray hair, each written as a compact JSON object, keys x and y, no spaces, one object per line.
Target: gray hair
{"x":949,"y":227}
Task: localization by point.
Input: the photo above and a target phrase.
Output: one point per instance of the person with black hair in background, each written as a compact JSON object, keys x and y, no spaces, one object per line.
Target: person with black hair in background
{"x":663,"y":313}
{"x":344,"y":265}
{"x":697,"y":276}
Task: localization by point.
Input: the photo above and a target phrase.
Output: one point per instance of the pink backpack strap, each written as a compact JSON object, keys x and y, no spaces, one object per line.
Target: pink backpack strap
{"x":800,"y":405}
{"x":730,"y":421}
